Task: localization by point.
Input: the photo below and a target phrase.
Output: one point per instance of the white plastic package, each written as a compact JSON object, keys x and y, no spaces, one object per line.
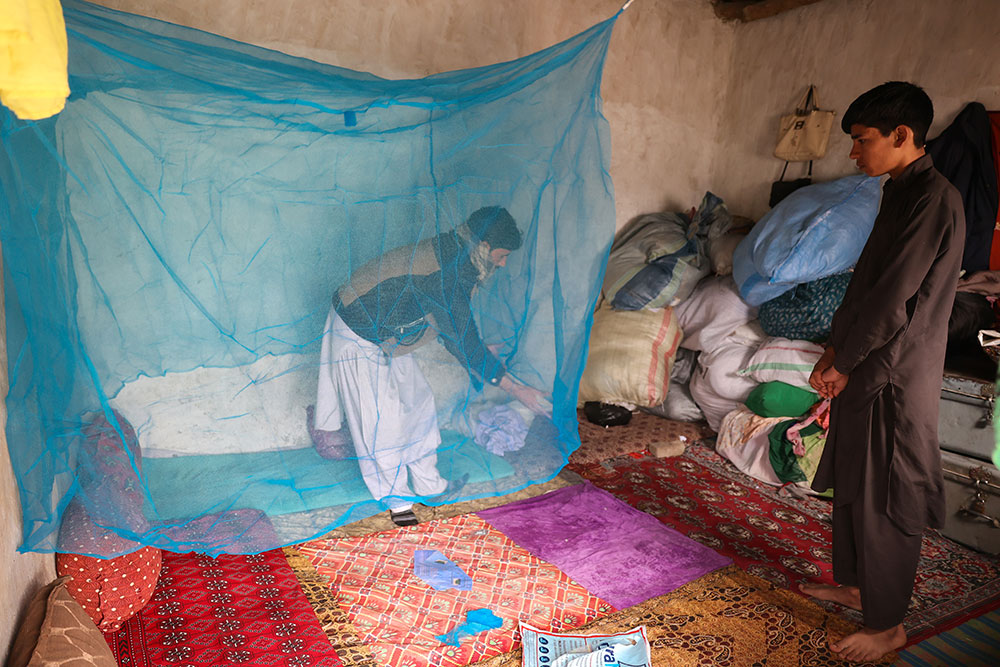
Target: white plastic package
{"x":542,"y":648}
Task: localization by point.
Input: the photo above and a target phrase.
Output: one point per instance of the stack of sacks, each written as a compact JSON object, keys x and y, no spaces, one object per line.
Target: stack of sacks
{"x":720,"y":326}
{"x":657,"y":260}
{"x":816,"y":232}
{"x":655,"y":263}
{"x":778,"y":435}
{"x":679,"y":405}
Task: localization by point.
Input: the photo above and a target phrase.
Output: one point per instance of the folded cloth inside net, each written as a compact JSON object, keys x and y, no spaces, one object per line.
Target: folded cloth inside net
{"x":501,"y":429}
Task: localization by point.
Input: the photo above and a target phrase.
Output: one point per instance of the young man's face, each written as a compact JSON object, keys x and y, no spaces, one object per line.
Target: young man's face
{"x":875,"y":154}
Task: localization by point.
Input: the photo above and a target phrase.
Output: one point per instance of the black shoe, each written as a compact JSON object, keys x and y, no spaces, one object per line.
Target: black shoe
{"x":404,"y":518}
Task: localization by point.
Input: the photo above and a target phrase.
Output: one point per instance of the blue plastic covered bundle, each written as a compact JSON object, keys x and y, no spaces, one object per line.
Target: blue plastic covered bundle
{"x":250,"y":297}
{"x":815,"y":232}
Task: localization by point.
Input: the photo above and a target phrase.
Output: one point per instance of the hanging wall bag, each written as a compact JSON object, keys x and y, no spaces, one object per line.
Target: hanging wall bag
{"x":782,"y":188}
{"x":803,"y":135}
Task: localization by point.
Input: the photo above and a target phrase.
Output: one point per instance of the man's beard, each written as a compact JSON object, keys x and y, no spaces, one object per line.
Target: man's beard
{"x":479,"y":255}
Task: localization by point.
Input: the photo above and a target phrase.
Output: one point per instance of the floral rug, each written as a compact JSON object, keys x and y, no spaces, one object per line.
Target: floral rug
{"x":727,"y":618}
{"x":786,"y":539}
{"x":599,"y":443}
{"x":397,"y":616}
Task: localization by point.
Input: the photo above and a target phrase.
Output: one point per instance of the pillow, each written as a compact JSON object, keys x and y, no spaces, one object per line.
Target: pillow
{"x":777,"y":399}
{"x":104,"y":444}
{"x":57,"y":631}
{"x":630,"y":358}
{"x":817,"y":231}
{"x":109,"y":470}
{"x":109,"y":590}
{"x":784,"y":360}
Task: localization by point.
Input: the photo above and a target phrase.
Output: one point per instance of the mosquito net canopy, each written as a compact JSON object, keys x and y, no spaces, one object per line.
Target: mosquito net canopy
{"x":250,"y":297}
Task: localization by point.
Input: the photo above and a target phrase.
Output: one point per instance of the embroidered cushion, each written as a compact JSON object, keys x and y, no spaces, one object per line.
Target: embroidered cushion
{"x":110,"y":590}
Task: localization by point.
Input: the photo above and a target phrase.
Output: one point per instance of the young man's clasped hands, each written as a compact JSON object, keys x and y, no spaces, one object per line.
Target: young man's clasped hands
{"x":825,"y":378}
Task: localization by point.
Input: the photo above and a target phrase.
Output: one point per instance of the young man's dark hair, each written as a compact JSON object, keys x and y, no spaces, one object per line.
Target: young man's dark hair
{"x":890,"y":105}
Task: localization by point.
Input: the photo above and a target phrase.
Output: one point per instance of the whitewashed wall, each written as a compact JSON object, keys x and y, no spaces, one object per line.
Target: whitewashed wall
{"x":949,"y":47}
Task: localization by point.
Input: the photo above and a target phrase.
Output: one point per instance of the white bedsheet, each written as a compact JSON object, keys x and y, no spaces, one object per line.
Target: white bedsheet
{"x":252,"y":408}
{"x":262,"y":406}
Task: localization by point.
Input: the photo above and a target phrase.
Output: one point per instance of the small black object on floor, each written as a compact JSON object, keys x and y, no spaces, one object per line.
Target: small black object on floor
{"x":605,"y":414}
{"x":404,"y":518}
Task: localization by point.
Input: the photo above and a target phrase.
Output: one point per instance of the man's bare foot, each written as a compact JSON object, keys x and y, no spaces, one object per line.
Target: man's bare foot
{"x":867,"y":645}
{"x":849,"y":596}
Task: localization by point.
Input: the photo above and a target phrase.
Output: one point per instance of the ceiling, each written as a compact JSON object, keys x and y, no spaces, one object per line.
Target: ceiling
{"x":751,"y":10}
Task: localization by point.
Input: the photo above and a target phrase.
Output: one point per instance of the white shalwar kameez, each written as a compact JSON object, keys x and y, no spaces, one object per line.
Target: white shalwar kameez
{"x":389,"y":408}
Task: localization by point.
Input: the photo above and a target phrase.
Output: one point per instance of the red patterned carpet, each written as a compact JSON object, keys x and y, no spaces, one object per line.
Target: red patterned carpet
{"x":230,"y":610}
{"x":397,"y":615}
{"x":784,"y":539}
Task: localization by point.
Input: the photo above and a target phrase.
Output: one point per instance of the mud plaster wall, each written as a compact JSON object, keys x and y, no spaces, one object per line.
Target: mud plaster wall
{"x":20,"y":574}
{"x":949,"y":47}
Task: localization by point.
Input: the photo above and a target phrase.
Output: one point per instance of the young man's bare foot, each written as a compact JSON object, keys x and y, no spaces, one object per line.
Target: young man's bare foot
{"x":867,"y":645}
{"x":849,"y":596}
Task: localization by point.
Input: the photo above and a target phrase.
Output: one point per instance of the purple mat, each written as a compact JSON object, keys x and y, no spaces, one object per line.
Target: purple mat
{"x":615,"y":551}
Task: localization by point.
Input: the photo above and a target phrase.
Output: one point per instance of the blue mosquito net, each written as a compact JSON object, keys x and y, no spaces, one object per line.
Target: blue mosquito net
{"x":250,"y":297}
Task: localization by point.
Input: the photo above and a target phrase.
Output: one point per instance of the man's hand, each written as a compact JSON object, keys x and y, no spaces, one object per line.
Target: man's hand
{"x":825,"y":379}
{"x":533,"y":399}
{"x":816,"y":377}
{"x":835,"y":382}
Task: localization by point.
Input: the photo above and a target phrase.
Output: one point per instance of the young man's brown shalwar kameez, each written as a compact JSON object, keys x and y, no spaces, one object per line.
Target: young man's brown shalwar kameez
{"x":889,"y":335}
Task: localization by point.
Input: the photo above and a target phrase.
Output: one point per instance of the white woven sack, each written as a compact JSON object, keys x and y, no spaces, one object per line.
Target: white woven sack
{"x":784,"y":360}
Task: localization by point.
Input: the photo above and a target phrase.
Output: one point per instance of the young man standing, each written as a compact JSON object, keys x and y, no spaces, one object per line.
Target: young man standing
{"x":883,"y":367}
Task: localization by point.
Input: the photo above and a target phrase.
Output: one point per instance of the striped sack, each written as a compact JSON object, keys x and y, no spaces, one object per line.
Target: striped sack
{"x":630,"y":358}
{"x":784,"y":360}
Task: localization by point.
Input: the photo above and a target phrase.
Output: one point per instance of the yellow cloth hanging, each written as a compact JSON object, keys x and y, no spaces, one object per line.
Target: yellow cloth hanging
{"x":33,"y":79}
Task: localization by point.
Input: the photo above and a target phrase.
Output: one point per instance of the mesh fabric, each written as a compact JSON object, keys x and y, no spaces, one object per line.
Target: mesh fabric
{"x":212,"y":256}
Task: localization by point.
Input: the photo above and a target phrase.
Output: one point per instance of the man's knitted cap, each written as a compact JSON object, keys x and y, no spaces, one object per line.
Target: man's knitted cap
{"x":495,"y":225}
